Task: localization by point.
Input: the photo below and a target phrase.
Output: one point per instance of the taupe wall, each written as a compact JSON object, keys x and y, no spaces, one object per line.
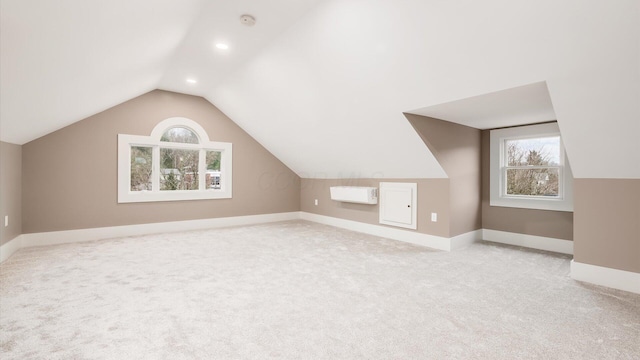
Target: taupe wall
{"x":10,"y":191}
{"x":456,"y":199}
{"x":433,"y":196}
{"x":70,"y":176}
{"x":607,"y":223}
{"x":457,"y":149}
{"x":553,"y":224}
{"x":67,"y":180}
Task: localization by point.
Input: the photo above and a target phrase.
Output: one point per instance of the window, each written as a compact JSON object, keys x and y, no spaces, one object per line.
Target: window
{"x":176,"y":162}
{"x":529,"y":168}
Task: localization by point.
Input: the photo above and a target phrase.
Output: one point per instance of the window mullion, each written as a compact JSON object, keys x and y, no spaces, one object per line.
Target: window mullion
{"x":186,"y":146}
{"x":202,"y":170}
{"x":156,"y":169}
{"x":527,"y":167}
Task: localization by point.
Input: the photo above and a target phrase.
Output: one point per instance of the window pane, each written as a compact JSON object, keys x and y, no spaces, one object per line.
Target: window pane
{"x":213,"y":169}
{"x":178,"y":169}
{"x":141,"y":167}
{"x":180,"y":135}
{"x":532,"y":182}
{"x":535,"y":151}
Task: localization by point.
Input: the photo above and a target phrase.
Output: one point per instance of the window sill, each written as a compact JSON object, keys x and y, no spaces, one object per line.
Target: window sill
{"x":534,"y":204}
{"x":177,"y":195}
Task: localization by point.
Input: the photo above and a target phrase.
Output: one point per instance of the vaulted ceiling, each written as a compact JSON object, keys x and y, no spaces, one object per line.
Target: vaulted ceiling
{"x":323,"y":84}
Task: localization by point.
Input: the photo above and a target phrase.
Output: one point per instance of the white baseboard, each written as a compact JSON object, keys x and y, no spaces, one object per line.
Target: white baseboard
{"x":530,"y":241}
{"x":614,"y":278}
{"x":462,"y":240}
{"x":599,"y":275}
{"x":80,"y":235}
{"x":10,"y":247}
{"x":432,"y":241}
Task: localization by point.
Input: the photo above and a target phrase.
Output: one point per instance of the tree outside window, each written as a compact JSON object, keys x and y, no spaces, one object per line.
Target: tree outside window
{"x":532,"y":167}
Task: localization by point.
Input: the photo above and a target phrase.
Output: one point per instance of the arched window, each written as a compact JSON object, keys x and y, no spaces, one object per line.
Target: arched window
{"x":176,"y":162}
{"x":180,"y":134}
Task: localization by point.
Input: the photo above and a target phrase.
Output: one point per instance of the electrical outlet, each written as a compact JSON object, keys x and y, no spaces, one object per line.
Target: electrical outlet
{"x":6,"y":220}
{"x":316,"y":202}
{"x":434,"y":217}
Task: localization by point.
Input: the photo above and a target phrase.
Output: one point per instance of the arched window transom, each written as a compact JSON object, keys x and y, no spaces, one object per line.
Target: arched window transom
{"x":180,"y":134}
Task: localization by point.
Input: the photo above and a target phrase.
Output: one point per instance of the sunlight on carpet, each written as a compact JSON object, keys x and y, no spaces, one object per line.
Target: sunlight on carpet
{"x":299,"y":290}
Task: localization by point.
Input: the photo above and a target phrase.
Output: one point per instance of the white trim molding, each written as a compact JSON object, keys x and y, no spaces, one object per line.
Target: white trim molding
{"x":462,"y":240}
{"x":70,"y":236}
{"x":613,"y":278}
{"x":431,"y":241}
{"x":604,"y":276}
{"x":529,"y":241}
{"x":81,"y":235}
{"x":10,"y":247}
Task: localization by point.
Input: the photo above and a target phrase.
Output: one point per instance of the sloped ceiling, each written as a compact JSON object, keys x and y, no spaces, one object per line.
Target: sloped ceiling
{"x":323,"y":84}
{"x":62,"y":61}
{"x":528,"y":104}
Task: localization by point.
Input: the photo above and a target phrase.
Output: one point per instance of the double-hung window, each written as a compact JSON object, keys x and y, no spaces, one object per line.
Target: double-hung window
{"x":176,"y":162}
{"x":529,"y":168}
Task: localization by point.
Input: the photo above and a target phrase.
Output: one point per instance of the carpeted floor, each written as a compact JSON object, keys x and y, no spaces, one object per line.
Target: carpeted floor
{"x":299,"y":290}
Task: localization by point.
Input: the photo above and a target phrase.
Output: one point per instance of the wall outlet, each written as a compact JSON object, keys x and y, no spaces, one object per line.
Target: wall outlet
{"x":434,"y":217}
{"x":6,"y":220}
{"x":316,"y":202}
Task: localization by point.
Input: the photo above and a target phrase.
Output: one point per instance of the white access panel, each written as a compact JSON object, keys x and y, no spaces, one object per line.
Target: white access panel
{"x":399,"y":204}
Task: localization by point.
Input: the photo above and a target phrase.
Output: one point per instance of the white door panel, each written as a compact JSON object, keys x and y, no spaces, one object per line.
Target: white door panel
{"x":398,"y":204}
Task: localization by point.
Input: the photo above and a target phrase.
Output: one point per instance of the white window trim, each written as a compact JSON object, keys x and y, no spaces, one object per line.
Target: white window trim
{"x":564,"y":202}
{"x":125,"y":142}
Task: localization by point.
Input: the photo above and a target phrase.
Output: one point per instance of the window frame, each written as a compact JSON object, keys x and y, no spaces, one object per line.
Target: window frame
{"x":126,"y":142}
{"x":498,"y":169}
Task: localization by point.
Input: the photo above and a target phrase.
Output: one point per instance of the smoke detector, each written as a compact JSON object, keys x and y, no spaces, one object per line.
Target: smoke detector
{"x":247,"y":20}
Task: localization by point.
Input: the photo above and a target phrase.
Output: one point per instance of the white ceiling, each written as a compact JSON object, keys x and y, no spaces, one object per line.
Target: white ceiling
{"x":323,"y":84}
{"x":527,"y":104}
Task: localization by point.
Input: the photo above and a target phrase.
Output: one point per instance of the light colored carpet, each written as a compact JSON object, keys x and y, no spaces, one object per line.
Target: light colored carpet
{"x":299,"y":290}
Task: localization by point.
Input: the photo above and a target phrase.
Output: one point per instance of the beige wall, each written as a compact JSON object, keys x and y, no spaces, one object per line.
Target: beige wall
{"x":432,"y":197}
{"x":10,"y":191}
{"x":67,"y":180}
{"x":457,"y":149}
{"x":456,"y":199}
{"x":70,"y":176}
{"x":607,"y":223}
{"x":553,"y":224}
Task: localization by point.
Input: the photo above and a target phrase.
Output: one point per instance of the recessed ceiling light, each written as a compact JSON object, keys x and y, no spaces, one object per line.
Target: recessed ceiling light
{"x":222,"y":46}
{"x":192,"y":81}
